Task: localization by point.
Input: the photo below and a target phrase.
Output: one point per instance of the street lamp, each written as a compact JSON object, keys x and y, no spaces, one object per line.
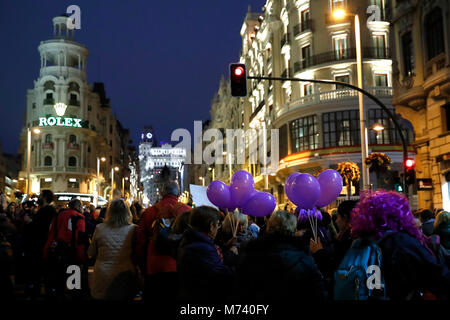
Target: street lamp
{"x":213,"y":171}
{"x":123,"y":185}
{"x":203,"y":180}
{"x":35,"y":131}
{"x":340,"y":14}
{"x":112,"y":180}
{"x":97,"y":185}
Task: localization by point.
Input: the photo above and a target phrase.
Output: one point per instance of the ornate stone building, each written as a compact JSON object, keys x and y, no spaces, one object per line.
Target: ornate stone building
{"x":421,"y":29}
{"x":76,"y":123}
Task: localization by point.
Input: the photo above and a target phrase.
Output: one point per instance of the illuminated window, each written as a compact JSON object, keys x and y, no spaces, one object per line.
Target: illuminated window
{"x":304,"y":134}
{"x":340,"y":48}
{"x":381,"y":80}
{"x":341,"y":128}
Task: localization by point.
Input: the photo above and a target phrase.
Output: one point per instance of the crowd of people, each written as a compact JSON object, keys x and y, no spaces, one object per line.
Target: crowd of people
{"x":171,"y":251}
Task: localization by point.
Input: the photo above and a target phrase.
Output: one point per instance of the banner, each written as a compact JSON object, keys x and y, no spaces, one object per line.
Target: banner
{"x":199,"y":196}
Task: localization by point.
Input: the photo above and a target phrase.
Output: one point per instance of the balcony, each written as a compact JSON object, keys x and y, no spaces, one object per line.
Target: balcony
{"x":333,"y":95}
{"x":302,"y":27}
{"x":65,"y":169}
{"x":73,"y":146}
{"x":75,"y":103}
{"x":435,"y":64}
{"x":48,"y":101}
{"x":342,"y":55}
{"x":48,"y":146}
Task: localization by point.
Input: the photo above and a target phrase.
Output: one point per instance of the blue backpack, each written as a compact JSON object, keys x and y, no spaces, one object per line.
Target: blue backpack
{"x":359,"y":275}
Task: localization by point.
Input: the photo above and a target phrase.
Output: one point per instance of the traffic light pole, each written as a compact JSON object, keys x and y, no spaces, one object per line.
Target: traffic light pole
{"x":398,"y":127}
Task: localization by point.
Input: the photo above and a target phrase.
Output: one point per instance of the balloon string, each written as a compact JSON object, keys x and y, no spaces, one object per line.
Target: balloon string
{"x":312,"y":225}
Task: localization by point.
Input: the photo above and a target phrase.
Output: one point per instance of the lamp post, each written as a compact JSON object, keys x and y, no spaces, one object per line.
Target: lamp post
{"x":229,"y":162}
{"x":112,"y":180}
{"x":203,"y":180}
{"x":213,"y":171}
{"x":123,"y":185}
{"x":36,"y":131}
{"x":97,"y":185}
{"x":339,"y":14}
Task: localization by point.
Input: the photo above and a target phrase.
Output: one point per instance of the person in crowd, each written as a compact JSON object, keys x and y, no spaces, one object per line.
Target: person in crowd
{"x":117,"y":194}
{"x":442,"y":228}
{"x":115,"y":274}
{"x":410,"y":268}
{"x":282,"y":263}
{"x":35,"y":237}
{"x":11,"y":211}
{"x":93,"y":211}
{"x":3,"y":201}
{"x":427,"y":220}
{"x":225,"y":238}
{"x":90,"y":221}
{"x":137,"y":212}
{"x":6,"y":261}
{"x":203,"y":274}
{"x":179,"y":227}
{"x":159,"y":267}
{"x":66,"y":245}
{"x":253,"y":227}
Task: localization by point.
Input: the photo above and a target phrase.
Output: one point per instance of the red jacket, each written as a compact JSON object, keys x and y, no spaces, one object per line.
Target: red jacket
{"x":145,"y":245}
{"x":64,"y":233}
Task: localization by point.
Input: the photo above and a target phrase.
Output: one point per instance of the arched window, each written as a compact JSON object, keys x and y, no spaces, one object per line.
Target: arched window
{"x":72,"y":138}
{"x":48,"y":161}
{"x":72,"y":162}
{"x":434,"y":31}
{"x":48,"y":138}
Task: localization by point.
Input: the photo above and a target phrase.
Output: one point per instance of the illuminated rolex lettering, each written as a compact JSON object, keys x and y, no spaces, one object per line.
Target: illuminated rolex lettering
{"x":59,"y":122}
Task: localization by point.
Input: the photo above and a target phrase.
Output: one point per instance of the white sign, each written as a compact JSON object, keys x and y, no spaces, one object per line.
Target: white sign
{"x":199,"y":196}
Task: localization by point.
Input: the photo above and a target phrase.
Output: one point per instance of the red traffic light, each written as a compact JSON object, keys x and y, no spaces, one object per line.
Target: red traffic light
{"x":239,"y":71}
{"x":409,"y":163}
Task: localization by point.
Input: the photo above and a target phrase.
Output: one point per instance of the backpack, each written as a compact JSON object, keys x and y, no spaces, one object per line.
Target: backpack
{"x":359,"y":275}
{"x":62,"y":254}
{"x":162,"y":229}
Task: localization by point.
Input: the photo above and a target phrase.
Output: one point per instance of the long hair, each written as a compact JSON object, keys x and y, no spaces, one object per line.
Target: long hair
{"x":118,"y":214}
{"x":380,"y":211}
{"x":240,"y":217}
{"x":442,"y":217}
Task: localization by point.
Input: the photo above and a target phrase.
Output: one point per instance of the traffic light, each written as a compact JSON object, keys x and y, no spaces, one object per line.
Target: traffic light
{"x":238,"y":79}
{"x":410,"y":172}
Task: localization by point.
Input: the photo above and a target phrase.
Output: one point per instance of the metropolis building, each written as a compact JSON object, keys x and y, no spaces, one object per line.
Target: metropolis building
{"x":318,"y":123}
{"x":79,"y":133}
{"x":159,"y":164}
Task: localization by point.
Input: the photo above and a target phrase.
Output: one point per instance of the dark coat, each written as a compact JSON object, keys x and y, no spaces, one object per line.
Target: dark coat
{"x":202,"y":273}
{"x":409,"y":268}
{"x":276,"y":267}
{"x":427,"y":227}
{"x":443,"y":231}
{"x":36,"y":232}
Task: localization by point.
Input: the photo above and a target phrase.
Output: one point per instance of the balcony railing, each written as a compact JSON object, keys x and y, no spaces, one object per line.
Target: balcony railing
{"x":65,"y":169}
{"x":49,"y":101}
{"x":74,"y":103}
{"x":333,"y":95}
{"x":48,"y":145}
{"x":73,"y":146}
{"x":341,"y":55}
{"x":302,"y":27}
{"x":435,"y":64}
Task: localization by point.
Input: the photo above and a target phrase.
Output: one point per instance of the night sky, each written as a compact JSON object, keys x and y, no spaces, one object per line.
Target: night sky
{"x":161,"y":60}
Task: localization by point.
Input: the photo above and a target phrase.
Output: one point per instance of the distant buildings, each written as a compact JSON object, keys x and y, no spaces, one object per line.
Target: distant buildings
{"x":159,"y":164}
{"x":76,"y":123}
{"x":9,"y":174}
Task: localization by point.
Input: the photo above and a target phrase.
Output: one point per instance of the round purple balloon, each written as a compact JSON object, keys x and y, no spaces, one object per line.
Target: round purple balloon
{"x":330,"y":185}
{"x":288,"y":184}
{"x":260,"y":204}
{"x":305,"y":191}
{"x":241,"y":187}
{"x":219,"y":194}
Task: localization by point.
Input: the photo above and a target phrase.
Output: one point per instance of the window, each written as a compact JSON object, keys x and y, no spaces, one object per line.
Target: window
{"x":389,"y":135}
{"x":72,"y":162}
{"x":307,"y":89}
{"x":446,"y":117}
{"x":48,"y":161}
{"x":73,"y":183}
{"x":304,"y":19}
{"x":49,"y":95}
{"x":337,"y":4}
{"x":304,"y":134}
{"x":381,"y":80}
{"x":408,"y":55}
{"x":344,"y":78}
{"x":46,"y":183}
{"x":306,"y":56}
{"x":34,"y":106}
{"x":340,"y":48}
{"x":341,"y":128}
{"x":89,"y":108}
{"x":48,"y":138}
{"x":73,"y":97}
{"x":379,"y":44}
{"x":434,"y":33}
{"x":72,"y":138}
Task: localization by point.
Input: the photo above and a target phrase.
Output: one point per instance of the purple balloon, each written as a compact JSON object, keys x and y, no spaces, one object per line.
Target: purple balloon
{"x":260,"y":204}
{"x":330,"y":185}
{"x":241,"y":187}
{"x":219,"y":194}
{"x":305,"y":191}
{"x":288,"y":184}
